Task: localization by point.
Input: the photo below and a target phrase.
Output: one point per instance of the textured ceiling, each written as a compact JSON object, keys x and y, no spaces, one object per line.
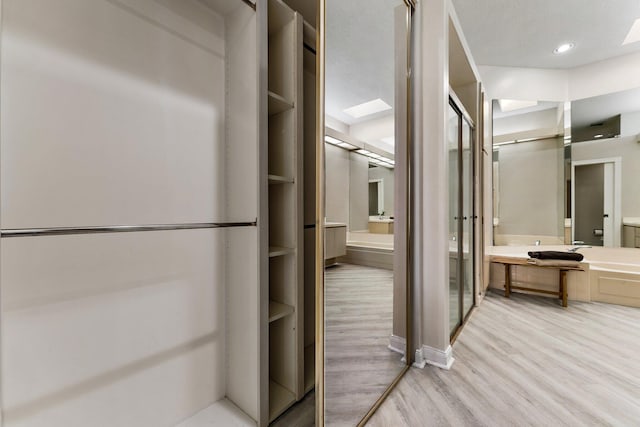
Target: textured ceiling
{"x":523,"y":33}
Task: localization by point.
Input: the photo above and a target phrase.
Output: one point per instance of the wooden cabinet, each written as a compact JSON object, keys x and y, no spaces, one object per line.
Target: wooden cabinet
{"x":335,"y":244}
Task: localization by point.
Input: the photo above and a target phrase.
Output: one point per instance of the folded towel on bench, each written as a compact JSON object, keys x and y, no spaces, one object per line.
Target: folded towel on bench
{"x":554,"y":263}
{"x":568,"y":256}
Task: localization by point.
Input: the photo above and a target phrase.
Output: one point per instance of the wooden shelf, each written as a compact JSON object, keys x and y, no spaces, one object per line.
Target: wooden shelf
{"x":277,"y":179}
{"x":279,"y":15}
{"x":309,"y":368}
{"x":277,"y":104}
{"x":279,"y":400}
{"x":285,"y":203}
{"x":275,"y":251}
{"x":278,"y":310}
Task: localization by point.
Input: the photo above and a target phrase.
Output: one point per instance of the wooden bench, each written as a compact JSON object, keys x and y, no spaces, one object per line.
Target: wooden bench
{"x":508,"y":261}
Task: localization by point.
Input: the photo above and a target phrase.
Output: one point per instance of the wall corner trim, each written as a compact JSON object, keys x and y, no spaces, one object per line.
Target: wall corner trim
{"x":433,"y":356}
{"x":397,"y":344}
{"x":420,"y":361}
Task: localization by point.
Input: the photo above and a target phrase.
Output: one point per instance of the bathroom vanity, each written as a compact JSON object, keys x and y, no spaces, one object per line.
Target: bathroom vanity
{"x":381,"y":226}
{"x":335,"y":243}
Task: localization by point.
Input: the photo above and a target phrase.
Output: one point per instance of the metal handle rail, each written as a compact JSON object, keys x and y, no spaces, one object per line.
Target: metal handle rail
{"x":64,"y":231}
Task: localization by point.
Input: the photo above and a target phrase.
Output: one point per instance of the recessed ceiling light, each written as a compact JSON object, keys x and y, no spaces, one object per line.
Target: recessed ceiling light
{"x":598,"y":135}
{"x":563,"y":48}
{"x":367,"y":108}
{"x":634,"y":33}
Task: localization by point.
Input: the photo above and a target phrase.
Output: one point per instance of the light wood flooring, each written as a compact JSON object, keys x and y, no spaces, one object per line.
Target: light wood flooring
{"x":358,"y":324}
{"x":527,"y":361}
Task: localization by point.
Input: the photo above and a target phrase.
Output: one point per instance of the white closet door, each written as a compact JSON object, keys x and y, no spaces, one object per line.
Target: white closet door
{"x":609,"y":206}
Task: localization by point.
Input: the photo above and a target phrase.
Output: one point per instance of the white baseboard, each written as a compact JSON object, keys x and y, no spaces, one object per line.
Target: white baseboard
{"x":419,"y":361}
{"x":397,"y":344}
{"x":436,"y":357}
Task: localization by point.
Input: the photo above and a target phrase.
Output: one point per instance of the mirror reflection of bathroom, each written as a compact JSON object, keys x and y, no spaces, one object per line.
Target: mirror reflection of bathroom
{"x":529,"y":206}
{"x":590,"y":155}
{"x":365,"y":119}
{"x":605,"y":166}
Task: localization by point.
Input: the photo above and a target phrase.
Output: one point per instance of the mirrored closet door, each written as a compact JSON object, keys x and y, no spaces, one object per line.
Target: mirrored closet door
{"x":363,"y":171}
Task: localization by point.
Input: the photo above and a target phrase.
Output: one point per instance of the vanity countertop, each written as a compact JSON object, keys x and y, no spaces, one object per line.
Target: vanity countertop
{"x":633,"y":222}
{"x":386,"y":220}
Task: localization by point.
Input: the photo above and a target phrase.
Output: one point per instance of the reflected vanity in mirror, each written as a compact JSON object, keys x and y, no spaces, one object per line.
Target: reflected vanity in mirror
{"x":365,"y":215}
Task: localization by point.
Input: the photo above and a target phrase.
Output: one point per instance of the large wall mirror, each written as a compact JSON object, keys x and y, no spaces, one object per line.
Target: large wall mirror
{"x":365,"y":216}
{"x":529,"y":172}
{"x":605,"y":169}
{"x":567,"y":173}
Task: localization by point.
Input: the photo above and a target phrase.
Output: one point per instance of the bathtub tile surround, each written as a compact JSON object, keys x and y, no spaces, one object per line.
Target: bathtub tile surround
{"x":610,"y":275}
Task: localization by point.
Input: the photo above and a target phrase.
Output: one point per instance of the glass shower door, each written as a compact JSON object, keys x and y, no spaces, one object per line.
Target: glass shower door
{"x":453,"y":136}
{"x":467,"y":255}
{"x":461,"y":217}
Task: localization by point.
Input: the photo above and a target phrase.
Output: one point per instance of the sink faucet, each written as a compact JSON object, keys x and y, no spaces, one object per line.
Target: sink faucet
{"x":578,"y":247}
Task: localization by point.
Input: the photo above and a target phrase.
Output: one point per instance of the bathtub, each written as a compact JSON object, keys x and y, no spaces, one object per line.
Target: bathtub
{"x":614,"y":275}
{"x":611,"y":275}
{"x":369,"y":249}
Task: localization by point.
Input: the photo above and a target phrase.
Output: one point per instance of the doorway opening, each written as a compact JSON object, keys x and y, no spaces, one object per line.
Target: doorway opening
{"x":596,"y":202}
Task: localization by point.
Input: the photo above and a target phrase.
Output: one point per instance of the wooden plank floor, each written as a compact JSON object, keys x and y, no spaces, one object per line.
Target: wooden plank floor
{"x":358,"y":324}
{"x":527,"y":361}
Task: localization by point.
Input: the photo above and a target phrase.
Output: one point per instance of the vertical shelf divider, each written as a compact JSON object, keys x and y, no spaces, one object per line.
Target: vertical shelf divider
{"x":286,"y":328}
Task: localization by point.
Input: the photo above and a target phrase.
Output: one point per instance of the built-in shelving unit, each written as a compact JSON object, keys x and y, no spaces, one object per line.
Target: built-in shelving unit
{"x":286,"y":367}
{"x":309,"y":168}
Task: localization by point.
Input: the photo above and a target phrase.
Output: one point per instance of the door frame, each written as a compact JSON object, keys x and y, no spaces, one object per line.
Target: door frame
{"x":617,"y":195}
{"x":380,"y":185}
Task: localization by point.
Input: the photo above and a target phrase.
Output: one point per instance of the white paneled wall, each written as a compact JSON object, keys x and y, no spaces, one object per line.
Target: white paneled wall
{"x":112,"y":329}
{"x":121,"y":112}
{"x":108,"y":117}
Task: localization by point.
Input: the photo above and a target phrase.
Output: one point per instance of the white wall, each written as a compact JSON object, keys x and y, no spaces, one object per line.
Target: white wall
{"x":533,"y":121}
{"x":630,"y":124}
{"x":531,"y":192}
{"x":629,"y":149}
{"x":524,"y":83}
{"x":346,"y":188}
{"x":612,"y":75}
{"x":113,"y":113}
{"x":358,"y":192}
{"x":372,"y":131}
{"x":337,"y":167}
